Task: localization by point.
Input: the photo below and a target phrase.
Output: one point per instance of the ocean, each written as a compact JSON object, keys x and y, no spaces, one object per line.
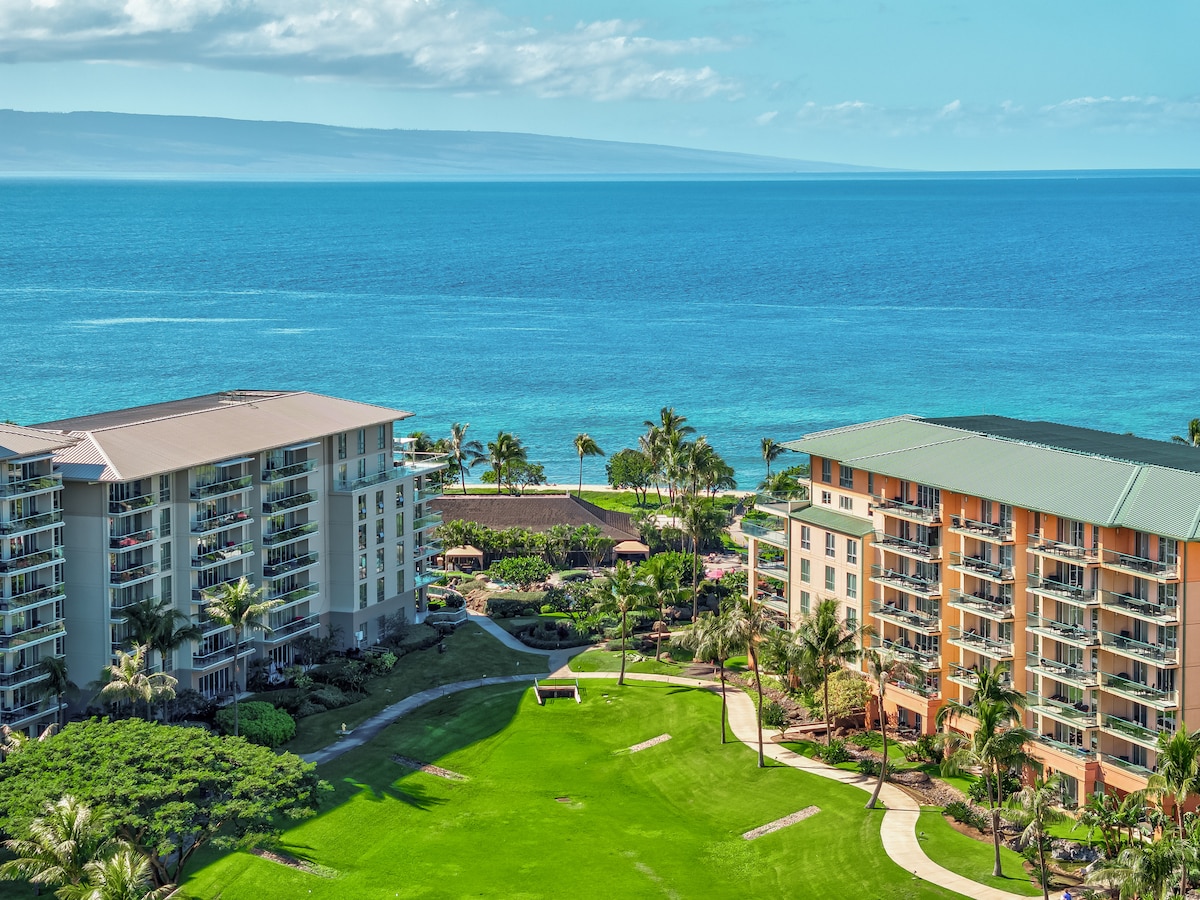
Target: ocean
{"x":754,"y":308}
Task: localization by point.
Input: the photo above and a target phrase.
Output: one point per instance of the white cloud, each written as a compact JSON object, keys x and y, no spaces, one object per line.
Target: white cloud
{"x":766,"y":118}
{"x":421,"y":44}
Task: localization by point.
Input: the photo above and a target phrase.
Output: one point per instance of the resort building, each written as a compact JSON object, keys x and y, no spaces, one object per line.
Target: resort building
{"x":309,"y":497}
{"x":32,"y":627}
{"x":1070,"y":554}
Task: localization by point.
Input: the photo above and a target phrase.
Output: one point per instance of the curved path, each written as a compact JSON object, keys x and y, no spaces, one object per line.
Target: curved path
{"x":899,"y":821}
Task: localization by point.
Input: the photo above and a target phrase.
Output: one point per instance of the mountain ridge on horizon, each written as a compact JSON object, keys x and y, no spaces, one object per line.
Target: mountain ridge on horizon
{"x":131,"y":144}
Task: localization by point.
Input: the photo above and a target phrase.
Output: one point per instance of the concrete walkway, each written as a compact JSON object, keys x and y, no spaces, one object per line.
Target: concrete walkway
{"x":897,"y":825}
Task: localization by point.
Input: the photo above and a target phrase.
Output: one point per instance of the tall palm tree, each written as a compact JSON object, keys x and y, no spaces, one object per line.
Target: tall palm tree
{"x":700,"y":517}
{"x":747,"y":625}
{"x":1142,"y":870}
{"x":123,"y":875}
{"x":771,"y":451}
{"x":241,"y":606}
{"x":993,"y":685}
{"x":56,"y":683}
{"x":126,"y":681}
{"x":176,"y":630}
{"x":651,"y":445}
{"x":662,"y":579}
{"x":1177,"y":775}
{"x":829,"y":643}
{"x":585,"y":446}
{"x":882,"y":670}
{"x":61,"y":843}
{"x":670,"y":422}
{"x":466,"y":454}
{"x":505,"y":449}
{"x":710,"y":640}
{"x":1037,"y":808}
{"x":622,"y":595}
{"x":1193,"y":435}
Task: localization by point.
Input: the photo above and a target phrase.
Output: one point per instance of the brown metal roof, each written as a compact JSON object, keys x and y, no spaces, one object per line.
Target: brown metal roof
{"x":537,"y":512}
{"x":16,"y":441}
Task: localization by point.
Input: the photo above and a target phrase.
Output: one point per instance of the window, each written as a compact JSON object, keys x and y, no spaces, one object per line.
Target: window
{"x":851,"y":551}
{"x":382,"y":437}
{"x":380,"y":590}
{"x":805,"y":571}
{"x":928,"y":497}
{"x":362,"y":468}
{"x":805,"y":602}
{"x":164,"y":522}
{"x":400,"y":580}
{"x":851,"y":617}
{"x":362,"y":507}
{"x":164,"y":488}
{"x":846,"y":502}
{"x":362,"y":441}
{"x":830,"y":578}
{"x":362,"y":565}
{"x":164,"y":555}
{"x":830,"y":544}
{"x":399,"y":496}
{"x":827,"y":471}
{"x":381,"y":463}
{"x":362,"y":537}
{"x":805,"y":537}
{"x":851,"y":585}
{"x":400,"y":556}
{"x":846,"y":477}
{"x":871,"y":483}
{"x":826,"y":497}
{"x":379,"y":531}
{"x":341,"y":446}
{"x":399,"y":524}
{"x":362,"y":596}
{"x":342,"y":475}
{"x":378,"y":560}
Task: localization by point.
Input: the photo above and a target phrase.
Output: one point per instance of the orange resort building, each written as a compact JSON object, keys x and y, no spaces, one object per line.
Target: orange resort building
{"x":1073,"y":555}
{"x":311,"y":498}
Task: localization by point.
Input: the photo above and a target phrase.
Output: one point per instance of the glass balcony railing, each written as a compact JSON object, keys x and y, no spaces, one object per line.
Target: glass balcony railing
{"x":1140,"y":693}
{"x":206,"y":593}
{"x":426,"y":550}
{"x":1141,"y":608}
{"x":1060,"y":590}
{"x":31,"y":560}
{"x":912,"y":619}
{"x":896,"y":544}
{"x":907,"y":583}
{"x":410,"y":462}
{"x":990,"y":647}
{"x":897,"y":507}
{"x":425,"y":521}
{"x":206,"y":524}
{"x":221,"y":555}
{"x":282,"y":567}
{"x":31,"y":522}
{"x":286,"y":535}
{"x":1167,"y":570}
{"x":289,"y":596}
{"x":1122,"y":763}
{"x":969,"y":677}
{"x":1080,"y":715}
{"x":34,"y":596}
{"x":996,"y":532}
{"x":1135,"y":731}
{"x":923,"y":658}
{"x":27,"y":712}
{"x":349,"y":485}
{"x":289,"y":630}
{"x":220,"y":656}
{"x":981,"y":568}
{"x":130,"y":539}
{"x":1081,"y":556}
{"x":132,"y":504}
{"x":998,"y":609}
{"x":1125,"y":645}
{"x":16,"y":487}
{"x":772,"y":568}
{"x":1050,"y":741}
{"x":283,"y":473}
{"x":1064,"y":632}
{"x":220,"y":488}
{"x":1076,"y":676}
{"x":24,"y":676}
{"x":275,"y":505}
{"x":427,"y":493}
{"x":422,"y":579}
{"x":132,"y":572}
{"x":770,"y":535}
{"x":32,"y":635}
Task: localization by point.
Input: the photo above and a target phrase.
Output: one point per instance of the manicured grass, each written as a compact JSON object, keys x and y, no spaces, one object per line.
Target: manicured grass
{"x":555,"y":806}
{"x":470,"y":653}
{"x":971,"y":858}
{"x":610,"y":661}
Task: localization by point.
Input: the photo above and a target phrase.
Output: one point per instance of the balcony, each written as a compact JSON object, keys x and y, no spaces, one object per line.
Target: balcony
{"x":426,"y":550}
{"x":34,"y":559}
{"x":34,"y":634}
{"x":1140,"y":693}
{"x":131,"y":539}
{"x":291,"y":629}
{"x":32,"y":522}
{"x":914,"y":620}
{"x":910,"y":511}
{"x":131,"y":573}
{"x":132,"y":504}
{"x":766,"y":535}
{"x":429,"y":493}
{"x":998,"y":609}
{"x":221,"y":488}
{"x":895,"y":544}
{"x":38,"y":483}
{"x":985,"y":646}
{"x":1127,"y":646}
{"x":229,"y":553}
{"x":1059,"y":590}
{"x":411,"y":463}
{"x":296,"y":594}
{"x":921,"y":689}
{"x":220,"y":657}
{"x":1061,"y":671}
{"x":1134,"y":731}
{"x":1140,"y":565}
{"x":282,"y":567}
{"x":924,"y":659}
{"x":970,"y":677}
{"x":284,"y":473}
{"x":425,"y":521}
{"x":1079,"y":556}
{"x":1140,"y":608}
{"x":287,"y":535}
{"x":782,"y":504}
{"x":19,"y":715}
{"x":772,"y":568}
{"x":1073,"y":749}
{"x":1076,"y":715}
{"x":981,"y":568}
{"x":423,"y":579}
{"x":910,"y":584}
{"x":206,"y":593}
{"x":221,"y":521}
{"x":276,"y":506}
{"x":994,"y":532}
{"x":1071,"y":633}
{"x":1121,"y":763}
{"x":21,"y":677}
{"x":348,"y":485}
{"x":35,"y":596}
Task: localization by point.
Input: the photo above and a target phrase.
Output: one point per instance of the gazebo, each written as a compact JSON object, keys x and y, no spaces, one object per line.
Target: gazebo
{"x":630,"y":550}
{"x":464,"y":559}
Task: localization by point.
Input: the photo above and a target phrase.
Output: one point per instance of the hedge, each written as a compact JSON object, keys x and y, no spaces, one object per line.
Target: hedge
{"x":258,"y":722}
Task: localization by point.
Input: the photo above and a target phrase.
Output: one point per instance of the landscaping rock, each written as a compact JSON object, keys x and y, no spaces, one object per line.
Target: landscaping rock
{"x":913,"y":778}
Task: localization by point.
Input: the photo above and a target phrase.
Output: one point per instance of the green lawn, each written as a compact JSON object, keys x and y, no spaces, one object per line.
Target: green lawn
{"x":610,"y":661}
{"x":470,"y":653}
{"x":971,"y":858}
{"x":555,"y":806}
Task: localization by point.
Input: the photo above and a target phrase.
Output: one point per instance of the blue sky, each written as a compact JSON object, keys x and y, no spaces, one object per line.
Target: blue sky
{"x":924,"y":85}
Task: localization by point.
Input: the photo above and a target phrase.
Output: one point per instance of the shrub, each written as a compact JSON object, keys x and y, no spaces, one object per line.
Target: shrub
{"x":929,"y":749}
{"x":967,"y":815}
{"x":193,"y":705}
{"x":381,"y":663}
{"x":978,"y":791}
{"x":868,"y":766}
{"x":773,"y":715}
{"x":833,"y":753}
{"x":328,"y":697}
{"x":503,"y":608}
{"x":259,"y":723}
{"x":521,"y":570}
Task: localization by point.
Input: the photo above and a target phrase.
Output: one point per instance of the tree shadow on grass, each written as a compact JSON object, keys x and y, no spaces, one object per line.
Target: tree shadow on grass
{"x":413,"y":795}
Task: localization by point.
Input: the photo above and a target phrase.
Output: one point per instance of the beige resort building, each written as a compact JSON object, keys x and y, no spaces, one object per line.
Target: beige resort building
{"x":310,"y":497}
{"x":1071,"y":554}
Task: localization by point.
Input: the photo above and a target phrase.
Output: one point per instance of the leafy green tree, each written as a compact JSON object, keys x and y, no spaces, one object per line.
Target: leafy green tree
{"x":63,"y":839}
{"x":261,"y":723}
{"x":828,"y":643}
{"x":585,"y":446}
{"x":662,"y":575}
{"x":710,"y":639}
{"x":623,"y":595}
{"x":748,"y":625}
{"x":558,"y":545}
{"x":1038,"y":808}
{"x":242,"y":607}
{"x":883,"y":670}
{"x":632,"y":470}
{"x":168,"y":791}
{"x":466,"y":454}
{"x":522,"y":571}
{"x":593,"y":543}
{"x":503,"y":452}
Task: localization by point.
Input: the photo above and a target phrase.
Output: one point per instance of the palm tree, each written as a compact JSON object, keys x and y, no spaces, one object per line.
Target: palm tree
{"x":126,"y":681}
{"x":1099,"y":813}
{"x":651,"y":445}
{"x":123,"y":875}
{"x":1193,"y":435}
{"x":747,"y":623}
{"x":710,"y":640}
{"x":699,"y":519}
{"x":466,"y":454}
{"x":829,"y":643}
{"x":585,"y":446}
{"x":61,"y":843}
{"x":505,"y":449}
{"x":1177,"y":775}
{"x":994,"y":685}
{"x":670,"y":422}
{"x":56,"y":683}
{"x":1038,"y":808}
{"x":622,"y":595}
{"x":662,"y":576}
{"x":241,"y":606}
{"x":1142,"y":870}
{"x":771,"y":451}
{"x":170,"y":637}
{"x":882,"y":670}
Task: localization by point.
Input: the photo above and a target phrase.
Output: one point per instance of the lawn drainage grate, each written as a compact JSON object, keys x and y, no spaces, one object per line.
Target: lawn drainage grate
{"x":653,"y":742}
{"x":782,"y":823}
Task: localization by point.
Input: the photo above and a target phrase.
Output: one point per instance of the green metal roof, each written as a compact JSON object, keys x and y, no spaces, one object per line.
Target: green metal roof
{"x":1062,"y":481}
{"x":834,"y":521}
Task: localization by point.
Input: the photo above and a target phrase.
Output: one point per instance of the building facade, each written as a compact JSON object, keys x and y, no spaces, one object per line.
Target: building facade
{"x":1071,"y":555}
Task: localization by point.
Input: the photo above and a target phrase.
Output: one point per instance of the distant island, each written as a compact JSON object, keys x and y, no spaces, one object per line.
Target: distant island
{"x":118,"y":144}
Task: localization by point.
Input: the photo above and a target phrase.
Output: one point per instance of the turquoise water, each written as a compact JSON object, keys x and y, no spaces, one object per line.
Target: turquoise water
{"x":548,"y":309}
